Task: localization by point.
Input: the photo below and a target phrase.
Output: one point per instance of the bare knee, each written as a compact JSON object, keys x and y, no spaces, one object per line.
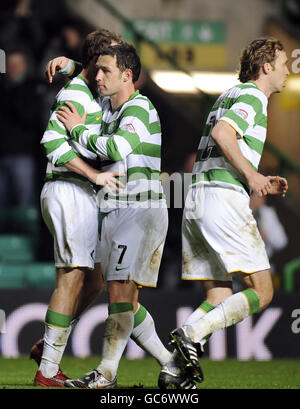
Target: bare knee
{"x":70,"y":281}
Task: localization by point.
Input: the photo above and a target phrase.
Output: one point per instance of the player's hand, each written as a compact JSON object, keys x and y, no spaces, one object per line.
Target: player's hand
{"x":69,"y":116}
{"x":108,"y":180}
{"x":53,"y":65}
{"x":259,"y":184}
{"x":279,"y":185}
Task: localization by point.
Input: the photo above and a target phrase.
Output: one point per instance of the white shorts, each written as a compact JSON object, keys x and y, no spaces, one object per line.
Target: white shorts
{"x":220,"y":235}
{"x":70,"y":212}
{"x":132,"y":241}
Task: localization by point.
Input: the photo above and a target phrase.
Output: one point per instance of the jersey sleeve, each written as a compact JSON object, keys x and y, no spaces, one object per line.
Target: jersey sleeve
{"x":243,"y":113}
{"x":72,"y":69}
{"x":119,"y":145}
{"x":55,"y":138}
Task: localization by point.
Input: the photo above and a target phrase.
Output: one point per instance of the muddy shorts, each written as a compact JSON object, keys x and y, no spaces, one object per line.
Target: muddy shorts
{"x":220,"y":235}
{"x":70,"y":212}
{"x":132,"y":242}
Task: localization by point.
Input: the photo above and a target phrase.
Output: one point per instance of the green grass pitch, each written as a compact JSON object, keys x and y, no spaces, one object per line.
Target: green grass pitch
{"x":229,"y":374}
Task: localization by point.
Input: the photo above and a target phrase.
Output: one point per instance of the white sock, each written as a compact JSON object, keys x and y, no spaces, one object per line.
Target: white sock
{"x":229,"y":312}
{"x":118,"y":327}
{"x":194,"y":317}
{"x":145,"y":336}
{"x":55,"y":341}
{"x":176,"y":364}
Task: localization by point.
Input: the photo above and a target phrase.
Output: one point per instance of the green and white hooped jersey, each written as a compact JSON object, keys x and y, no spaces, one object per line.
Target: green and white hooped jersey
{"x":244,"y":107}
{"x":58,"y":146}
{"x":130,"y":142}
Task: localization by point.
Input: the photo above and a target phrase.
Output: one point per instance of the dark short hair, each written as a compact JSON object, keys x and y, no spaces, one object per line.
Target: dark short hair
{"x":94,"y":42}
{"x":255,"y":55}
{"x":126,"y":58}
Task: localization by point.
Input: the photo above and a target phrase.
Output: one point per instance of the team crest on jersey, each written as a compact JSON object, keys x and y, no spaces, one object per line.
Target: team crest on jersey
{"x":128,"y":127}
{"x":241,"y":112}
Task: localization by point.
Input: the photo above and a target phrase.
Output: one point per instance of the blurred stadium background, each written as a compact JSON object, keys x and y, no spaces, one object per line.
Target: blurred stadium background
{"x":189,"y":51}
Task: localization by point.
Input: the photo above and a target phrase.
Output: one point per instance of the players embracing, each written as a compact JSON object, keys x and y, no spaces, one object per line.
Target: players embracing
{"x":219,"y":233}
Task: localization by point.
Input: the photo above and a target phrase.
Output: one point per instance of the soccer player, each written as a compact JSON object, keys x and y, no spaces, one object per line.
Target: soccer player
{"x":69,"y":209}
{"x":219,"y":233}
{"x":135,"y":223}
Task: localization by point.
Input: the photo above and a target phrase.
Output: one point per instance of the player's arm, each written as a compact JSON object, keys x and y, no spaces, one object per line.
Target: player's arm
{"x":98,"y":178}
{"x":225,"y":137}
{"x":115,"y":147}
{"x":63,"y":65}
{"x":55,"y":141}
{"x":60,"y":153}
